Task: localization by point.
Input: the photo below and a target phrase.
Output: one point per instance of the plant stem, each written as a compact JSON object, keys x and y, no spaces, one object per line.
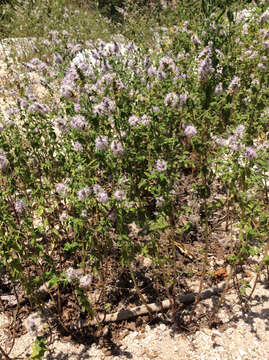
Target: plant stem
{"x":223,"y":293}
{"x":206,"y":235}
{"x":4,"y":353}
{"x":174,"y":266}
{"x":141,"y":296}
{"x":259,"y":270}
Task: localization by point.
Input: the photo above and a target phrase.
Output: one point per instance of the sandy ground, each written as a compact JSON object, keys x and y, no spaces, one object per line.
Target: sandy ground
{"x":242,"y":336}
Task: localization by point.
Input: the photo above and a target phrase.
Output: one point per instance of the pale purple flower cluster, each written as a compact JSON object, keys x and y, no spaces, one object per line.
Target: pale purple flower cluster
{"x":20,"y":207}
{"x":255,"y":82}
{"x":78,"y":122}
{"x":250,"y":153}
{"x":119,"y":195}
{"x":4,"y":163}
{"x":84,"y":193}
{"x":101,"y":143}
{"x":151,"y":71}
{"x":36,"y":64}
{"x":77,"y":146}
{"x":205,"y":68}
{"x":167,"y":63}
{"x":68,"y":87}
{"x":161,"y":75}
{"x":136,"y":121}
{"x":13,"y":110}
{"x":23,"y":103}
{"x":36,"y":107}
{"x":96,"y":56}
{"x":239,"y":131}
{"x":234,"y":84}
{"x":85,"y":281}
{"x":42,"y":66}
{"x":244,"y":15}
{"x":101,"y":194}
{"x":46,"y":42}
{"x":61,"y":188}
{"x":145,"y":120}
{"x":31,"y":326}
{"x":262,"y":67}
{"x":196,"y":41}
{"x":183,"y":98}
{"x":106,"y":80}
{"x":190,"y":131}
{"x":74,"y":48}
{"x":233,"y":141}
{"x":54,"y":35}
{"x":106,"y":107}
{"x":71,"y":274}
{"x":265,"y":45}
{"x":85,"y":60}
{"x":116,"y":148}
{"x":61,"y":124}
{"x":171,"y":99}
{"x":77,"y":107}
{"x":161,"y":165}
{"x":219,"y":89}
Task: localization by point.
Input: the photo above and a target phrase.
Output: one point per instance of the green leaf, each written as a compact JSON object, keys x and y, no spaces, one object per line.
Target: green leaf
{"x":266,"y":260}
{"x":53,"y":281}
{"x":39,"y":349}
{"x":71,"y":246}
{"x":40,"y":211}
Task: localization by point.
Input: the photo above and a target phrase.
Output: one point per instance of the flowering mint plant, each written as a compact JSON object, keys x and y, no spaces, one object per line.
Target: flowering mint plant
{"x":129,"y":148}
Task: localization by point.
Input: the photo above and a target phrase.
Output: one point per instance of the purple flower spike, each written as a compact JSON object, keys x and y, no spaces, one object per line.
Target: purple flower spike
{"x":85,"y":281}
{"x":117,"y":148}
{"x":84,"y":193}
{"x":20,"y":207}
{"x":190,"y":131}
{"x":101,"y":143}
{"x":71,"y":274}
{"x":250,"y":153}
{"x":161,"y":165}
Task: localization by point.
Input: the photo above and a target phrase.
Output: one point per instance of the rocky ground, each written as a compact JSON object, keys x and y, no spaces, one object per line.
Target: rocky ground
{"x":242,"y":333}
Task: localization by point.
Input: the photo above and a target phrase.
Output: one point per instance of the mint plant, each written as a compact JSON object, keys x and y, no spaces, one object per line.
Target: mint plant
{"x":130,"y":146}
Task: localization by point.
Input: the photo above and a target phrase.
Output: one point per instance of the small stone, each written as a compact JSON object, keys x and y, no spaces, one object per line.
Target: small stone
{"x":216,"y":332}
{"x":220,"y":262}
{"x":242,"y":352}
{"x":162,"y":327}
{"x":151,"y":354}
{"x":141,"y":336}
{"x":107,"y":352}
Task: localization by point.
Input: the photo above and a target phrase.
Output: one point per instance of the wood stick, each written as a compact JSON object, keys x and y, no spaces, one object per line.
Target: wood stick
{"x":153,"y":307}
